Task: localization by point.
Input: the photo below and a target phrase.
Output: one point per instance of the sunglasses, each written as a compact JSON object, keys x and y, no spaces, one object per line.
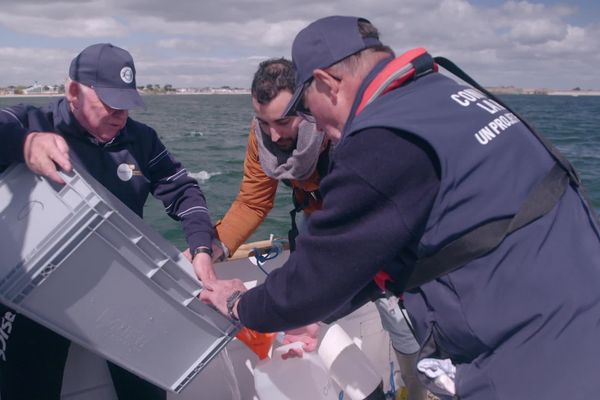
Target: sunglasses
{"x":304,"y":112}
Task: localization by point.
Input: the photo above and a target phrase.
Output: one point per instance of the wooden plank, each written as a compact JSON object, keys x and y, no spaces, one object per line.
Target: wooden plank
{"x":247,"y":249}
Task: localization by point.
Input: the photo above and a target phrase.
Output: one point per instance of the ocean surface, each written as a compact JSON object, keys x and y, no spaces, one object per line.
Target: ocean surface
{"x":209,"y":133}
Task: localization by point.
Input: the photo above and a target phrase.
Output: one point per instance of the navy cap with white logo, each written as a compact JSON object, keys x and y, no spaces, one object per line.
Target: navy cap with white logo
{"x":322,"y":44}
{"x":110,"y":71}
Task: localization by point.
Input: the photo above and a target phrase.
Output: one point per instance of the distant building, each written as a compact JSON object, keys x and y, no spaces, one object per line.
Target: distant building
{"x":38,"y":89}
{"x":212,"y":90}
{"x":516,"y":90}
{"x":35,"y":89}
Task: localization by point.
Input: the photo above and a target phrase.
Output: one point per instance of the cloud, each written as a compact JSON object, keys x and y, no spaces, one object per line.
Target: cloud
{"x":523,"y":43}
{"x":535,"y":23}
{"x":244,"y":37}
{"x":88,"y":28}
{"x":182,"y":44}
{"x":195,"y":70}
{"x":24,"y":66}
{"x":67,"y":18}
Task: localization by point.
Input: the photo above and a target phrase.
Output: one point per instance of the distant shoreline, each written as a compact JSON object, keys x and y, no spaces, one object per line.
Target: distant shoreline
{"x":143,"y":94}
{"x":541,"y":92}
{"x":495,"y":90}
{"x":33,"y":95}
{"x":574,"y":93}
{"x":570,"y":93}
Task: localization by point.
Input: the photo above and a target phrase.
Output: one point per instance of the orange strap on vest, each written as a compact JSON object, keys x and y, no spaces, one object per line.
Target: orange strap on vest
{"x":393,"y":75}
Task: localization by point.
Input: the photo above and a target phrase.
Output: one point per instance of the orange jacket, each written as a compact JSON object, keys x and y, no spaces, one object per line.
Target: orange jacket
{"x":256,"y":198}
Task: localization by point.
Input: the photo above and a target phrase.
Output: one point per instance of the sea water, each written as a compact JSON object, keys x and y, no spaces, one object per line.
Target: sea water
{"x":209,"y":133}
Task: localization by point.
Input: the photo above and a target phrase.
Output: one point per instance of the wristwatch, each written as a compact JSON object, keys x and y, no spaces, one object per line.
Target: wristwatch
{"x":231,"y":300}
{"x":201,"y":249}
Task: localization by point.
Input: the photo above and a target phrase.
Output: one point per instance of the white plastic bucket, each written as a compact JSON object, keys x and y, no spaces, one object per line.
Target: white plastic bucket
{"x":293,"y":378}
{"x":347,"y":365}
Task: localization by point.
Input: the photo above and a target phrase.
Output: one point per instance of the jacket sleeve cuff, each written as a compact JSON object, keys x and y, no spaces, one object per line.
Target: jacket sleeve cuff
{"x":199,"y":239}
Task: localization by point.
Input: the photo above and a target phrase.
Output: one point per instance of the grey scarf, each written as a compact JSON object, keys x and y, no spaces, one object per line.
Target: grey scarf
{"x":298,"y":163}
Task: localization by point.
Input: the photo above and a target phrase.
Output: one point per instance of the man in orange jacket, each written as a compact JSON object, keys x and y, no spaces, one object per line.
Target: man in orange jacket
{"x":292,"y":150}
{"x":287,"y":149}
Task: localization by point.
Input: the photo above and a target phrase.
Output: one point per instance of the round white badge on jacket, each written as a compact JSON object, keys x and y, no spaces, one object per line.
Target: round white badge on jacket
{"x":124,"y":172}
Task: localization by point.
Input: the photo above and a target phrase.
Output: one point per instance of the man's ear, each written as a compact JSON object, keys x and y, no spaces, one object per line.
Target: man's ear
{"x":326,"y":83}
{"x":72,"y":93}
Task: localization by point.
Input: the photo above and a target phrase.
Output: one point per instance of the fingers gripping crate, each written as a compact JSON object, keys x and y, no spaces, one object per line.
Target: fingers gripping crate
{"x":78,"y":261}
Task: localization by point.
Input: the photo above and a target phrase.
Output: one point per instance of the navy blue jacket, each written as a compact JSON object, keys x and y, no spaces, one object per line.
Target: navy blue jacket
{"x":521,"y":322}
{"x":146,"y":165}
{"x":13,"y":138}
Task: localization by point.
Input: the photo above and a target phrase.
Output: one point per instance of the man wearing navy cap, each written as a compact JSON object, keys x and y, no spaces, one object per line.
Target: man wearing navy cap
{"x":439,"y":190}
{"x":129,"y":159}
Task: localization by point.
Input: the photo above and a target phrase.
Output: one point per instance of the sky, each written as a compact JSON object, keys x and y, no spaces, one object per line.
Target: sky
{"x":196,"y":43}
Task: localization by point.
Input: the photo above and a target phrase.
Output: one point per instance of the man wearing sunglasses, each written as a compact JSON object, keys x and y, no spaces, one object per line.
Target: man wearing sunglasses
{"x":280,"y":149}
{"x":291,"y":150}
{"x":438,"y":190}
{"x":128,"y":158}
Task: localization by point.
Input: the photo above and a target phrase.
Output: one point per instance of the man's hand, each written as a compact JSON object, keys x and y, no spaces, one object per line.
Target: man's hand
{"x":216,"y":293}
{"x":203,"y":267}
{"x":309,"y":335}
{"x":187,"y":254}
{"x":43,"y":151}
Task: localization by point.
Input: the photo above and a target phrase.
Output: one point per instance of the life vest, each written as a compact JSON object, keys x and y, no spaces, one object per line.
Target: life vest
{"x":483,"y":236}
{"x":507,"y":258}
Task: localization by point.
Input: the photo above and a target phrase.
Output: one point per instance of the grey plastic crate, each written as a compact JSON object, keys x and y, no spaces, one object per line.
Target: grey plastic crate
{"x":77,"y":260}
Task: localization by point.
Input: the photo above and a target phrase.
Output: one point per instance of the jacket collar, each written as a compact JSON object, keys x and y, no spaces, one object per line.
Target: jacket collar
{"x":66,"y":123}
{"x":361,"y":91}
{"x":389,"y":74}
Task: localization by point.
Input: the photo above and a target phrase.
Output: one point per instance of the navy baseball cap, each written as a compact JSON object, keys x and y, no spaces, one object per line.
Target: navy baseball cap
{"x":110,"y":71}
{"x":322,"y":44}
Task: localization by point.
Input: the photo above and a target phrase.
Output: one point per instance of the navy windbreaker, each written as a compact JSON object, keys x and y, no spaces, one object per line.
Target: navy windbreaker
{"x":132,"y":166}
{"x":527,"y":313}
